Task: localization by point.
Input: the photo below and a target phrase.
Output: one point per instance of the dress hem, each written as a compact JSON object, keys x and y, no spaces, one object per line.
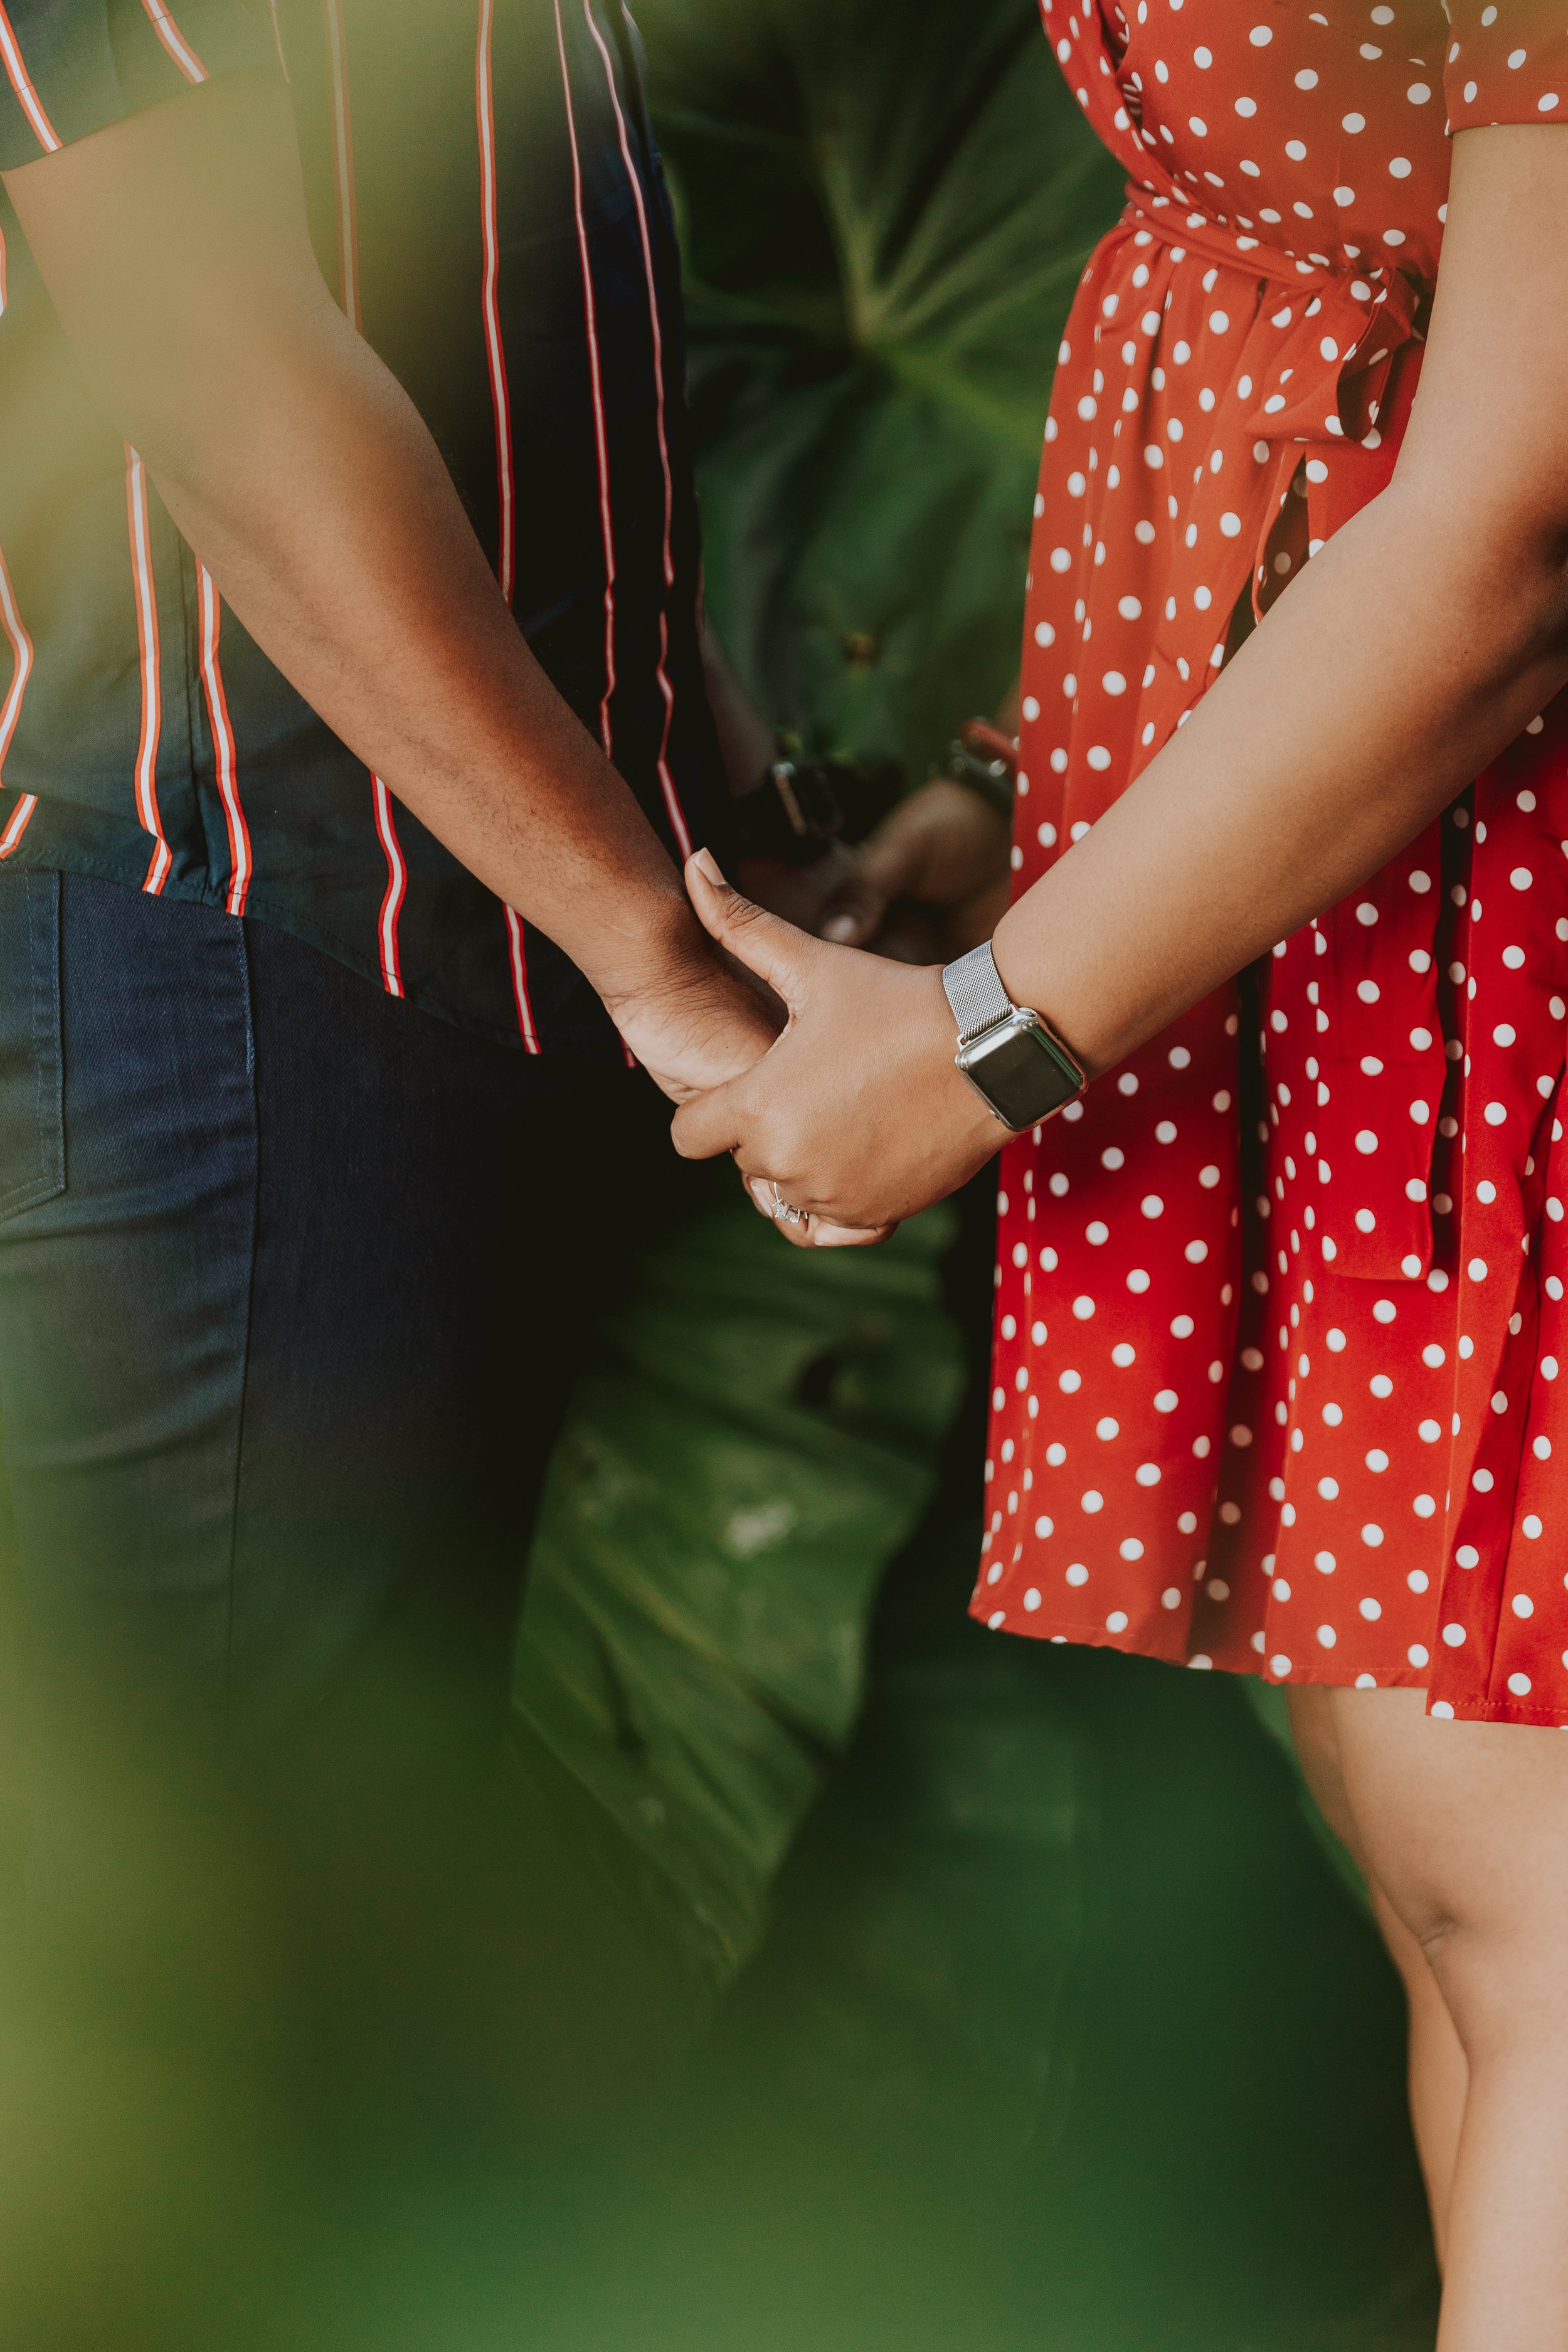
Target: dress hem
{"x":1319,"y":1675}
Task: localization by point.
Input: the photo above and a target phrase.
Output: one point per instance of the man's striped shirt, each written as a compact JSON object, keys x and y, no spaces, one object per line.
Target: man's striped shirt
{"x":486,"y":205}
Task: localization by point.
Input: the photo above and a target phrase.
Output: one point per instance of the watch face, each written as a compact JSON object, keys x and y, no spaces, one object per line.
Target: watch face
{"x":1020,"y":1070}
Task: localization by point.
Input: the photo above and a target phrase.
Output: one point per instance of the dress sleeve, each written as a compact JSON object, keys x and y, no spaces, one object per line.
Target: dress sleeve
{"x":1506,"y":61}
{"x":72,"y":66}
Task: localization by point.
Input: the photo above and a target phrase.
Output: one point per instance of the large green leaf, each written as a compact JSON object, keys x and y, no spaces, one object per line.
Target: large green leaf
{"x":885,"y":208}
{"x":755,"y":1437}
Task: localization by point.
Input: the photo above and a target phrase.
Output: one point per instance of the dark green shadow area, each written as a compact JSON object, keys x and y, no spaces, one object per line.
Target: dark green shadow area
{"x":1067,"y":2033}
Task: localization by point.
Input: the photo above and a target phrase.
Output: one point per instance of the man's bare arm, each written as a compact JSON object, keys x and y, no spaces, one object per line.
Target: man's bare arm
{"x":175,"y":249}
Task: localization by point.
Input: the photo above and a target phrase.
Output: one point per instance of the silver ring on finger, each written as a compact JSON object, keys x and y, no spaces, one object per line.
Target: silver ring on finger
{"x":784,"y":1213}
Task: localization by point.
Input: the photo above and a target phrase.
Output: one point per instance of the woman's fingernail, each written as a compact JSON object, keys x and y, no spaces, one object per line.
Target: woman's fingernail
{"x":707,"y":864}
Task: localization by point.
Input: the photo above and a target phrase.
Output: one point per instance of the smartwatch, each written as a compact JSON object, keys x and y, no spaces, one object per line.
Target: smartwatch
{"x":1015,"y":1061}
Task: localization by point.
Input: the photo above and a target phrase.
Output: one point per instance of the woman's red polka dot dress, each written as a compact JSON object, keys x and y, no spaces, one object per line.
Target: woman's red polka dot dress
{"x":1279,"y":1330}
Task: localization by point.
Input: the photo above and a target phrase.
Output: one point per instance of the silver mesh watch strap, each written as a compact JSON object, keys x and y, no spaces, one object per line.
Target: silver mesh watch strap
{"x":975,"y":992}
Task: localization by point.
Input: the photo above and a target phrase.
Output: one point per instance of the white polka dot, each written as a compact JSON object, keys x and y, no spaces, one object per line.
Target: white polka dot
{"x":1519,"y":1684}
{"x":1418,"y":1655}
{"x":1117,"y":1621}
{"x":1077,"y":1573}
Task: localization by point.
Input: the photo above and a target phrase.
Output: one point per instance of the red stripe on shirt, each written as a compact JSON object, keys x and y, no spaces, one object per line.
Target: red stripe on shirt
{"x":676,"y":814}
{"x":596,"y":383}
{"x":146,"y":600}
{"x":224,"y":753}
{"x":495,"y":351}
{"x":21,"y":645}
{"x":343,"y":166}
{"x":519,"y":980}
{"x":396,"y":887}
{"x":21,"y":82}
{"x":174,"y":41}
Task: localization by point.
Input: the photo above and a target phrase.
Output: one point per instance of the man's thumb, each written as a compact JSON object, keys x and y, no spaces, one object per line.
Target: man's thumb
{"x":764,"y":944}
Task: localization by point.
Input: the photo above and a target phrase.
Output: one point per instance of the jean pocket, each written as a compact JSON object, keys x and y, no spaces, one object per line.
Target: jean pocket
{"x":32,"y":1089}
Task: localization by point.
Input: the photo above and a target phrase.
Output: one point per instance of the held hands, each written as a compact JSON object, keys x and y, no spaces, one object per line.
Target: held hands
{"x":856,"y":1113}
{"x":697,"y":1024}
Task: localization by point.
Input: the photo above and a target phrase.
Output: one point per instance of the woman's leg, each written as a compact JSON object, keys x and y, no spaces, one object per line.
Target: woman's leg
{"x":1465,"y":1827}
{"x":1439,"y":2073}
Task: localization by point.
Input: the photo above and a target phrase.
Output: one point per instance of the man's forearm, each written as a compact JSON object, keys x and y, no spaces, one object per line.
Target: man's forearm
{"x":286,"y":504}
{"x":174,"y":247}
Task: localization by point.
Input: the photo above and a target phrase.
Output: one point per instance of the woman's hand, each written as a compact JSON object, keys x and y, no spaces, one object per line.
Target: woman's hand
{"x":858,"y":1114}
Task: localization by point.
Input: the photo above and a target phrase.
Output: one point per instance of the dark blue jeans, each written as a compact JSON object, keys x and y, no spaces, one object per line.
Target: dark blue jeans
{"x":293,"y":1282}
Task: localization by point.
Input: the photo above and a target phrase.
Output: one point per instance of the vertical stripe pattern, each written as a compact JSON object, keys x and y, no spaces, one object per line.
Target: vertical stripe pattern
{"x":344,"y":164}
{"x":396,"y":887}
{"x":21,"y":81}
{"x":225,"y":756}
{"x":519,"y":980}
{"x":673,"y":809}
{"x":21,"y":645}
{"x":173,"y":41}
{"x":500,"y":404}
{"x":596,"y":382}
{"x":144,"y":591}
{"x":495,"y":352}
{"x":396,"y":890}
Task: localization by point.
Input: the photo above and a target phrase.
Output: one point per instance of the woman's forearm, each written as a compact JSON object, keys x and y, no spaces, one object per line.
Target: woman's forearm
{"x":1402,"y":659}
{"x":1415,"y":646}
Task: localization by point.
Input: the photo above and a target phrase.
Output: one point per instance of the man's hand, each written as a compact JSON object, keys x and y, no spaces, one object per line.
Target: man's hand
{"x":698,"y":1026}
{"x":858,"y":1113}
{"x":931,"y":881}
{"x":175,"y":249}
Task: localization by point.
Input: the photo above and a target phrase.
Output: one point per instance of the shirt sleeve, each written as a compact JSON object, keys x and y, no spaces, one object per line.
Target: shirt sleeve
{"x":72,"y":66}
{"x":1506,"y":61}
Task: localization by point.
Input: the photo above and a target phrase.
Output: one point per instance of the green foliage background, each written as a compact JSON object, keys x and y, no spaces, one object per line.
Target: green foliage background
{"x":884,"y":209}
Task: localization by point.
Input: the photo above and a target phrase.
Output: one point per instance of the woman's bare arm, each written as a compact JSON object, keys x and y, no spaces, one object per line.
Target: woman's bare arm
{"x":1415,"y":646}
